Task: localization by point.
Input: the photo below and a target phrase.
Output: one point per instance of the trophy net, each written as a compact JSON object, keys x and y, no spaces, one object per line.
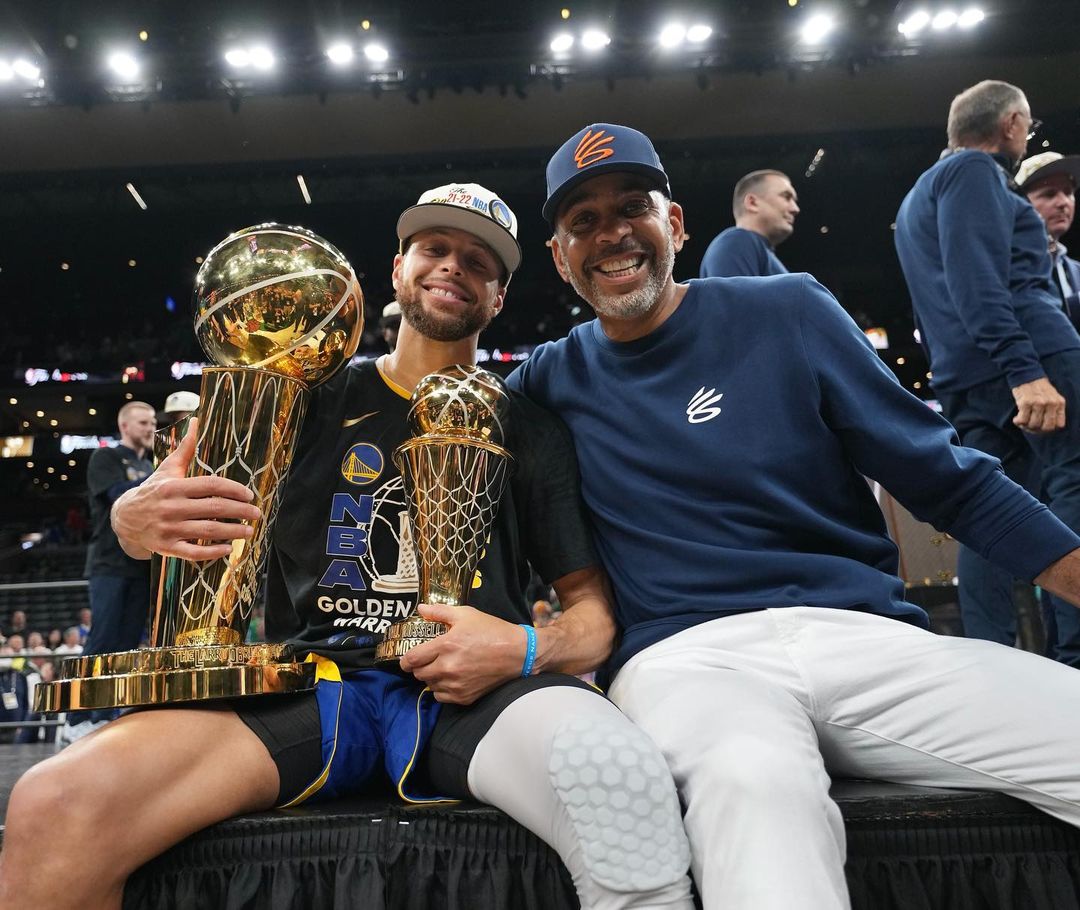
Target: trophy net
{"x":453,"y":486}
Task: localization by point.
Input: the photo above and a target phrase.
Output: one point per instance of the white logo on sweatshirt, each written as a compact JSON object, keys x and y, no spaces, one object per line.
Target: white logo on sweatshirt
{"x":701,"y":404}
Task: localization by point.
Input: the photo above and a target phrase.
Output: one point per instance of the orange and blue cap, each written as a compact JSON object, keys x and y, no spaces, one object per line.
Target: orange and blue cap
{"x":600,"y":148}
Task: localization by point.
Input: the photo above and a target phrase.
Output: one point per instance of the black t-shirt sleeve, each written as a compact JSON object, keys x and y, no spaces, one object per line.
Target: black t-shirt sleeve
{"x":104,"y":470}
{"x":556,"y":535}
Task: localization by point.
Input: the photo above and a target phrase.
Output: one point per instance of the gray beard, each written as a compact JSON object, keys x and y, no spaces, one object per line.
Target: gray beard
{"x":470,"y":321}
{"x":635,"y":303}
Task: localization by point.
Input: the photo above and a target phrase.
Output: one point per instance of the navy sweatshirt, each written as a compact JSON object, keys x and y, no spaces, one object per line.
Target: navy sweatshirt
{"x":975,"y":259}
{"x":737,"y":251}
{"x":722,"y":457}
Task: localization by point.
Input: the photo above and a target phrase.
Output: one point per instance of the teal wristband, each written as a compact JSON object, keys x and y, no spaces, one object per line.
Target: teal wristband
{"x":530,"y":650}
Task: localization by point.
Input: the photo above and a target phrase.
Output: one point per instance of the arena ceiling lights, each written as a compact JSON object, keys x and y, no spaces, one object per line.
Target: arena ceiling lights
{"x":817,"y":28}
{"x":255,"y":56}
{"x":940,"y":20}
{"x":20,"y":70}
{"x":124,"y":65}
{"x":676,"y":34}
{"x":341,"y":53}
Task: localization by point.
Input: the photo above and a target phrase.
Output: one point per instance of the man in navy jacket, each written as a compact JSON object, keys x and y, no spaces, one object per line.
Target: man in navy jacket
{"x":1004,"y":356}
{"x":764,"y":205}
{"x":1049,"y":182}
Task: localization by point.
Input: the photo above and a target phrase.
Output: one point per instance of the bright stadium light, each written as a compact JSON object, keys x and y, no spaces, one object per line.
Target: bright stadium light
{"x":672,"y":35}
{"x":262,"y":58}
{"x":943,"y":20}
{"x":914,"y":23}
{"x":817,"y":27}
{"x":340,"y":53}
{"x":698,"y":33}
{"x":6,"y":72}
{"x":123,"y":64}
{"x":561,"y":43}
{"x":238,"y":57}
{"x":593,"y":39}
{"x":26,"y":69}
{"x":970,"y":17}
{"x":376,"y":53}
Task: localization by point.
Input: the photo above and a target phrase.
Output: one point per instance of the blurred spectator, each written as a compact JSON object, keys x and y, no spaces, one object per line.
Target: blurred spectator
{"x":54,"y":639}
{"x":180,"y":405}
{"x":46,"y":673}
{"x":70,"y":644}
{"x":14,"y":644}
{"x":14,"y":695}
{"x":85,"y":618}
{"x":390,"y":323}
{"x":17,"y":624}
{"x":119,"y":585}
{"x":1049,"y":181}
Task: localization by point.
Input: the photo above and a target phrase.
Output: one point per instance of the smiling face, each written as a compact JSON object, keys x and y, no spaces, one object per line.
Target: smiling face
{"x":449,"y":284}
{"x":615,"y":243}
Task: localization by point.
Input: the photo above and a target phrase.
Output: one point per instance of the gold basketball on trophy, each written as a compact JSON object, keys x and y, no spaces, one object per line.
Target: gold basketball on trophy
{"x":280,"y":298}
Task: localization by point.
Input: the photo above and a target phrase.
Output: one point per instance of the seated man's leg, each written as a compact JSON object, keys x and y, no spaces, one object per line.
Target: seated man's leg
{"x":729,"y":710}
{"x":81,"y":822}
{"x":901,"y":704}
{"x":561,"y":760}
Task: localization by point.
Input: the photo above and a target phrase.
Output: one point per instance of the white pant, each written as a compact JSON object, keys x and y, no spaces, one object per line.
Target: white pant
{"x":754,"y":712}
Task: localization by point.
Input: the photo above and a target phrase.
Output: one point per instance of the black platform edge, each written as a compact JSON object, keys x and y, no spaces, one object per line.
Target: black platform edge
{"x":908,"y":849}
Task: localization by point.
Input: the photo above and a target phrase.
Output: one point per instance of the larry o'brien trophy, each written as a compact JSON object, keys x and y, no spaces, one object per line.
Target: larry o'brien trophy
{"x":279,"y":310}
{"x":454,"y":470}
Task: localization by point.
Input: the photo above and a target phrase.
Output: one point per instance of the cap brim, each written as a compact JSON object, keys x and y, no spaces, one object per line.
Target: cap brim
{"x":441,"y":214}
{"x":1068,"y":165}
{"x":551,"y":207}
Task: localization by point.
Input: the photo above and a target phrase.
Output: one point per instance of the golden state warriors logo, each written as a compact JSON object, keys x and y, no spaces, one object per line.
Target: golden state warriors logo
{"x":501,"y":213}
{"x":593,"y":147}
{"x":363,"y":464}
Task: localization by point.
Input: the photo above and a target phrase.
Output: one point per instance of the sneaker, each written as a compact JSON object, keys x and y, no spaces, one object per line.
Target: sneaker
{"x":70,"y":733}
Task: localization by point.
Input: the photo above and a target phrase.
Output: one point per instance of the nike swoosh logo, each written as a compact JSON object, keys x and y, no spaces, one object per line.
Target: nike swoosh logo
{"x":353,"y":421}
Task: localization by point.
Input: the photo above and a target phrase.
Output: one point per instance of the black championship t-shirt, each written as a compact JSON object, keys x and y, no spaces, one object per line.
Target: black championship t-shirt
{"x":337,"y":577}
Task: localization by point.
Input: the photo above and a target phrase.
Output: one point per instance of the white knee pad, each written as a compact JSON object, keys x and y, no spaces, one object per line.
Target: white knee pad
{"x":618,"y":793}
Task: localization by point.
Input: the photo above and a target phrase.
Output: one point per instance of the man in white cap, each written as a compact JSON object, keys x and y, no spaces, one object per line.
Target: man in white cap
{"x":180,"y":405}
{"x":515,"y":728}
{"x":1049,"y":181}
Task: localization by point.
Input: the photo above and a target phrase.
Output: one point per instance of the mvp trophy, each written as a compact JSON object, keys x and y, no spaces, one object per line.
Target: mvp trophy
{"x":280,"y":310}
{"x":454,"y":470}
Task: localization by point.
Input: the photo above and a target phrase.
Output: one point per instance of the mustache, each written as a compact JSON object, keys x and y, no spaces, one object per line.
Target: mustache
{"x":625,"y":247}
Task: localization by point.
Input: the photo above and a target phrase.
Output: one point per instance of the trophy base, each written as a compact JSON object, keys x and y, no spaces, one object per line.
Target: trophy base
{"x":403,"y":636}
{"x":161,"y":676}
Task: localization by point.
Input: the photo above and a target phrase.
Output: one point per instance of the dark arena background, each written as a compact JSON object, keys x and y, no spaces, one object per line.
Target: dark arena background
{"x":136,"y":135}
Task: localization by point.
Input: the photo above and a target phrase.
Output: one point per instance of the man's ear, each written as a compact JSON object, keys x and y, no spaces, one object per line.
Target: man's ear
{"x":396,"y":274}
{"x":559,"y":258}
{"x":497,"y":303}
{"x":678,"y":227}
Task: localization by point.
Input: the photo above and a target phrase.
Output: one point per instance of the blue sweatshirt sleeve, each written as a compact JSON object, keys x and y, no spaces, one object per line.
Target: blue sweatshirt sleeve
{"x":975,"y":219}
{"x":733,"y":254}
{"x":893,"y":437}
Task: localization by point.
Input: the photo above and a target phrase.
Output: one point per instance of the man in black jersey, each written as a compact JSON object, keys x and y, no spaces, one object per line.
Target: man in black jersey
{"x":478,"y":717}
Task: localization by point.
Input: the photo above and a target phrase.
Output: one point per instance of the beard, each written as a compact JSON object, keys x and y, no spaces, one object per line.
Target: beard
{"x":632,"y":304}
{"x":470,"y":320}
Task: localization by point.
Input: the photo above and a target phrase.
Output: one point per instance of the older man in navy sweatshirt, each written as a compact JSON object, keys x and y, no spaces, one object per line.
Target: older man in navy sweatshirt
{"x":1004,"y":356}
